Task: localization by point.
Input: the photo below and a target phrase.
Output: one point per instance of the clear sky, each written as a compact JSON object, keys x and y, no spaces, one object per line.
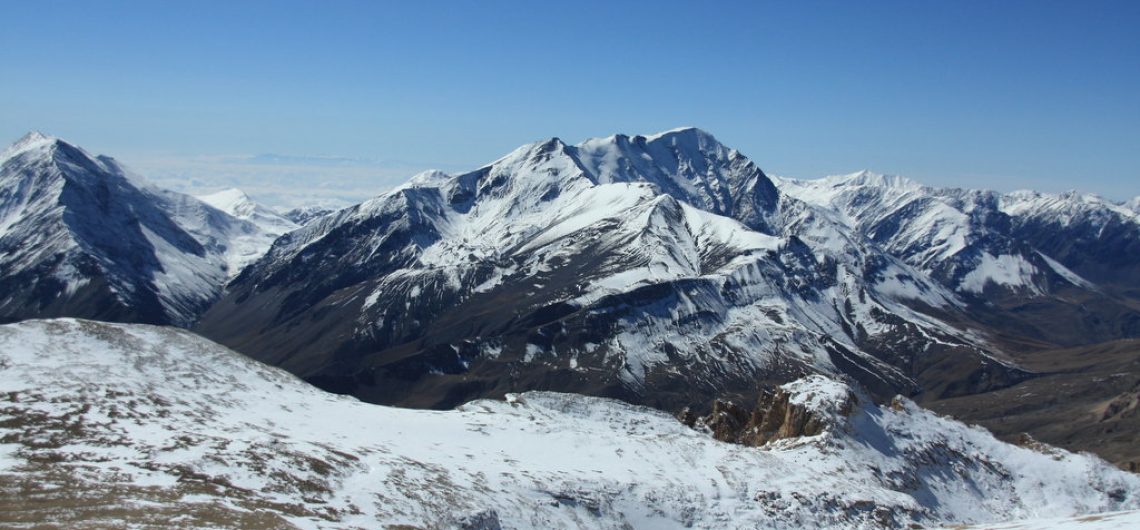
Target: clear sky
{"x":1000,"y":94}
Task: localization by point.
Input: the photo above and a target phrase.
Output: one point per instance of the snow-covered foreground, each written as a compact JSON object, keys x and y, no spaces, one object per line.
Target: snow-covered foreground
{"x":1106,"y":521}
{"x":144,"y":422}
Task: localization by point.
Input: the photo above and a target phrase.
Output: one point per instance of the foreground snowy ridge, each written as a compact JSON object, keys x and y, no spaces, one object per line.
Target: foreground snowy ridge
{"x":109,"y":424}
{"x":1129,"y":520}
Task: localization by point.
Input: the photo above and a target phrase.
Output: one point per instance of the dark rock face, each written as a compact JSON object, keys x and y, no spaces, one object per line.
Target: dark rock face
{"x":483,"y":520}
{"x":79,"y":250}
{"x":1099,"y":245}
{"x":303,"y":216}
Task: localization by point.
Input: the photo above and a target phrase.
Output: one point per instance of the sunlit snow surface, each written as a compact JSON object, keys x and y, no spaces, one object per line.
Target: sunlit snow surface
{"x":164,"y":410}
{"x":1128,"y":520}
{"x":247,"y":247}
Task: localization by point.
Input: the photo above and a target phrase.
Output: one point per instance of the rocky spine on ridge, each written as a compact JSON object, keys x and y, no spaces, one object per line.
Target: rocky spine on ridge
{"x":780,"y":413}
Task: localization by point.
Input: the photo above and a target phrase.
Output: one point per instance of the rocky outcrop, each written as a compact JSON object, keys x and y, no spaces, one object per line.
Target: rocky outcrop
{"x":1027,"y":441}
{"x":806,"y":407}
{"x":482,"y":520}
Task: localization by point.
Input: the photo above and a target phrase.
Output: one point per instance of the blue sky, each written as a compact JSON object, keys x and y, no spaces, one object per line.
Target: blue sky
{"x":1001,"y":94}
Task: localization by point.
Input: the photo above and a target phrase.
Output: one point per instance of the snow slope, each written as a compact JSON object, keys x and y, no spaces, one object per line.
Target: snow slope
{"x":1133,"y":204}
{"x":155,"y":424}
{"x":941,"y":232}
{"x":236,"y":203}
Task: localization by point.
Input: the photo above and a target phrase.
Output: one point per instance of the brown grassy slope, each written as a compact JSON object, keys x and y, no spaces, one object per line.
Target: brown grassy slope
{"x":1088,"y":399}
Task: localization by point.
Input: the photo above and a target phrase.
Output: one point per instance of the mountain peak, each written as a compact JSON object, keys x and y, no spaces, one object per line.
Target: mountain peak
{"x":1133,"y":204}
{"x":870,"y":178}
{"x":683,"y":142}
{"x":35,"y":136}
{"x":688,"y":139}
{"x":1085,"y":197}
{"x":73,"y":161}
{"x":236,"y":203}
{"x":688,"y":131}
{"x":226,"y":196}
{"x":428,"y":178}
{"x":232,"y":201}
{"x":30,"y":141}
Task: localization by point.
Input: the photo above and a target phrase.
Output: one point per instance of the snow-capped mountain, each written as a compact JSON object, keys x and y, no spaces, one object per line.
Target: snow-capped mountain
{"x":1094,"y":237}
{"x":82,"y":236}
{"x":1133,"y":204}
{"x":270,"y":225}
{"x":664,"y":269}
{"x":236,"y":203}
{"x":955,"y":236}
{"x":132,"y":425}
{"x":1047,"y":258}
{"x":972,"y":240}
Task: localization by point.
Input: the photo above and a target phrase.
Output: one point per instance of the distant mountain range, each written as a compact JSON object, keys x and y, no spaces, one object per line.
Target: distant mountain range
{"x":665,"y":270}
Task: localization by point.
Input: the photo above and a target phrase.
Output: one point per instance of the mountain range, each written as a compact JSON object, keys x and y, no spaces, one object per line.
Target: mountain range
{"x":665,"y":270}
{"x":669,"y":270}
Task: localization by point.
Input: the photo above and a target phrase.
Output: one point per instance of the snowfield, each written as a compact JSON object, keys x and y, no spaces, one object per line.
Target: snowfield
{"x":1106,"y":521}
{"x":105,"y":425}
